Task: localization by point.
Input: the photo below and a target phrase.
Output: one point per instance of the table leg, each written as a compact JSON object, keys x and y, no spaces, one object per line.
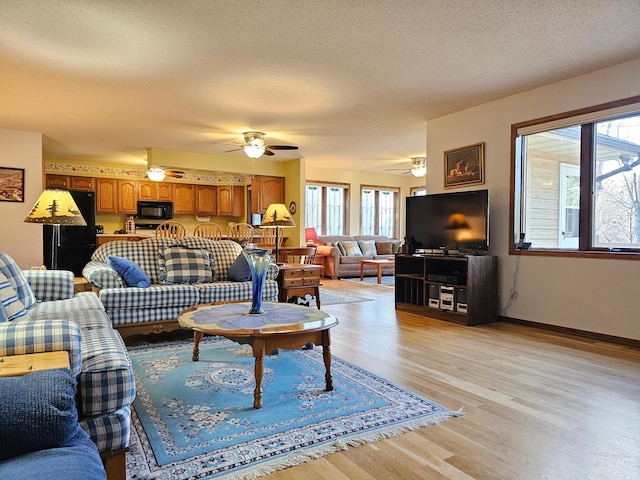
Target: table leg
{"x":361,"y":270}
{"x":258,"y":371}
{"x":197,"y":336}
{"x":326,"y":355}
{"x":379,"y":273}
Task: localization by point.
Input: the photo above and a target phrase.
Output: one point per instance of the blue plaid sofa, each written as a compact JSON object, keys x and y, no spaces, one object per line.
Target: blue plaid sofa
{"x":154,"y":309}
{"x":41,"y":314}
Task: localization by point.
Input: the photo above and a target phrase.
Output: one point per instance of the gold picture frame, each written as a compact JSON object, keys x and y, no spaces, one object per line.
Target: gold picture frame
{"x":11,"y":184}
{"x":464,"y":166}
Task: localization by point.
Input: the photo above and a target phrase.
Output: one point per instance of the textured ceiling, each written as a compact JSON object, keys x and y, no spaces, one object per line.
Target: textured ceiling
{"x":352,"y":83}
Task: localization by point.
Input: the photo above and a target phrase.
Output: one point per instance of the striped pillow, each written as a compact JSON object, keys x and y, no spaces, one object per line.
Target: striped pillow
{"x":13,"y":308}
{"x":16,"y":278}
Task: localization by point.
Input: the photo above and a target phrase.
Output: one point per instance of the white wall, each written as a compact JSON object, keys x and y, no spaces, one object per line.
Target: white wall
{"x":595,"y":295}
{"x":23,"y":241}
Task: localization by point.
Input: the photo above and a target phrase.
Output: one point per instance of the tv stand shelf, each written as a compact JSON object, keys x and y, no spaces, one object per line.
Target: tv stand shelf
{"x":461,"y":289}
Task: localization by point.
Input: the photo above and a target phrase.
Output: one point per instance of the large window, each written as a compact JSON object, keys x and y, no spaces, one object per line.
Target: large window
{"x":326,"y":208}
{"x":378,"y":211}
{"x":577,"y":181}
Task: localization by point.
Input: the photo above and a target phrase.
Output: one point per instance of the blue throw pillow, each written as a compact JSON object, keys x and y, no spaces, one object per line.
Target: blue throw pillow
{"x":239,"y":270}
{"x":130,"y":271}
{"x":37,"y":411}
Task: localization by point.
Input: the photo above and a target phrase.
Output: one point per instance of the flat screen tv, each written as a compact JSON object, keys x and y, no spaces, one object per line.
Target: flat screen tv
{"x":449,"y":221}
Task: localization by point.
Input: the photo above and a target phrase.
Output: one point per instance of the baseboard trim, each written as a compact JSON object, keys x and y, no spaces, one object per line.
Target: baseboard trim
{"x":628,"y":342}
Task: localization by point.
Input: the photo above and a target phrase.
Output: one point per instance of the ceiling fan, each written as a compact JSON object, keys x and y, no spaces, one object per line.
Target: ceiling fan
{"x":158,"y":174}
{"x":255,"y":146}
{"x":418,"y":167}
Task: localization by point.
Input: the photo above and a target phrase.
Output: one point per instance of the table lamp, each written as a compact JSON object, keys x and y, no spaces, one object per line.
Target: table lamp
{"x":56,"y":207}
{"x":277,"y":215}
{"x":310,"y":235}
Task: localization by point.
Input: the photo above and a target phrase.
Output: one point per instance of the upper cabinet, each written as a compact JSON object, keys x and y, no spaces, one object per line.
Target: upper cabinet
{"x":266,"y":190}
{"x":230,"y":200}
{"x":128,"y":197}
{"x":183,"y":199}
{"x":70,"y":182}
{"x":206,"y":200}
{"x":149,"y":190}
{"x":106,"y":195}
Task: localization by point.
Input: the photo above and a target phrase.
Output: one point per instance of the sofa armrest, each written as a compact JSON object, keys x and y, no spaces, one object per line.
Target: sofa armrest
{"x":272,"y":271}
{"x":49,"y":285}
{"x":101,"y":275}
{"x":37,"y":336}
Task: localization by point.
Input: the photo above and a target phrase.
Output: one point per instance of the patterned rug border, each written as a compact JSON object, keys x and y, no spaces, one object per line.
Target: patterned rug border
{"x":140,"y":445}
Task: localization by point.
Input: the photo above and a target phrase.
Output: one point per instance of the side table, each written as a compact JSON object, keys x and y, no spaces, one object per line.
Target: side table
{"x":298,"y":280}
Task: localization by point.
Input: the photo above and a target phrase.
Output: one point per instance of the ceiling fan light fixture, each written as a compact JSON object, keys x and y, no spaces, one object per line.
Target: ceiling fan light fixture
{"x":254,"y":151}
{"x":156,"y":174}
{"x":419,"y":166}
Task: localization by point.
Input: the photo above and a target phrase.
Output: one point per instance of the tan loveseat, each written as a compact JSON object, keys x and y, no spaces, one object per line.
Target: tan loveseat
{"x":341,"y":254}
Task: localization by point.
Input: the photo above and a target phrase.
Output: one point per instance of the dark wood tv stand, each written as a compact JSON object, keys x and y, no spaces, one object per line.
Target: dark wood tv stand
{"x":461,"y":289}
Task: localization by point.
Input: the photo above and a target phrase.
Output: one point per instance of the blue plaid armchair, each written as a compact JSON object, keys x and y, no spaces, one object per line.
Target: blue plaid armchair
{"x":40,"y":313}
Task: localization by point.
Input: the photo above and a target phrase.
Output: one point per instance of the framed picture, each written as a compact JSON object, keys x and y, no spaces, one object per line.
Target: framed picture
{"x":464,"y":166}
{"x":11,"y":184}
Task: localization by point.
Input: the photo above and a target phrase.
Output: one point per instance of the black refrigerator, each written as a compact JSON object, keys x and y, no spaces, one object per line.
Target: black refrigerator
{"x":77,"y":244}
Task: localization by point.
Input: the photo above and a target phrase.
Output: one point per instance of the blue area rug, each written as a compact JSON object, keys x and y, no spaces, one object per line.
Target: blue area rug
{"x":196,"y":419}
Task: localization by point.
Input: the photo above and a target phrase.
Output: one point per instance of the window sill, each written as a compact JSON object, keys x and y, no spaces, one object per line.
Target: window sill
{"x":541,"y":252}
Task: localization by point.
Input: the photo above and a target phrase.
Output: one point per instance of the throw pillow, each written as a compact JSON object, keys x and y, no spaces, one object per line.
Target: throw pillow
{"x":178,"y":265}
{"x":323,"y":250}
{"x":37,"y":411}
{"x":16,"y":278}
{"x":351,"y":248}
{"x":384,"y":248}
{"x":367,"y":247}
{"x":340,"y":248}
{"x":239,"y":270}
{"x":13,"y":308}
{"x":130,"y":271}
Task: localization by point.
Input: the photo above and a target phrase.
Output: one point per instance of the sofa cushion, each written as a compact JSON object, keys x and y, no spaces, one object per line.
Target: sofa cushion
{"x":351,"y":248}
{"x":37,"y":411}
{"x":180,"y":265}
{"x":81,"y":308}
{"x":130,"y":271}
{"x":339,"y":246}
{"x":367,"y":247}
{"x":13,"y":307}
{"x":236,"y":291}
{"x":239,"y":270}
{"x":156,"y":296}
{"x":14,"y":274}
{"x":384,"y":248}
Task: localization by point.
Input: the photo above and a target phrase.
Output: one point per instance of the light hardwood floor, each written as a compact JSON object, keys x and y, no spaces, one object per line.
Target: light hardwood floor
{"x":539,"y":405}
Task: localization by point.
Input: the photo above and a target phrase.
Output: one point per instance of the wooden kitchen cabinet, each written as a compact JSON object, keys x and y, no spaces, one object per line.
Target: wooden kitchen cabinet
{"x":183,"y":199}
{"x":206,"y":200}
{"x":106,"y":195}
{"x":150,"y":190}
{"x":61,"y":182}
{"x":86,"y":184}
{"x":128,"y":197}
{"x":230,"y":200}
{"x":266,"y":190}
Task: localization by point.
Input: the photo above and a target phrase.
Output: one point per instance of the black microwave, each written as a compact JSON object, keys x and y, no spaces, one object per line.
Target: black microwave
{"x":149,"y":210}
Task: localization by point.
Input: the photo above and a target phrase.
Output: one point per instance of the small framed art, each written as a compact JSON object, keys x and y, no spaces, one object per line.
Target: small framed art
{"x":11,"y":184}
{"x":464,"y":166}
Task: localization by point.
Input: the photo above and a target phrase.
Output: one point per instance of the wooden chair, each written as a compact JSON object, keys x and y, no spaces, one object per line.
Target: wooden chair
{"x":267,"y":238}
{"x":241,"y":233}
{"x":170,"y":229}
{"x":302,"y":255}
{"x":209,"y":230}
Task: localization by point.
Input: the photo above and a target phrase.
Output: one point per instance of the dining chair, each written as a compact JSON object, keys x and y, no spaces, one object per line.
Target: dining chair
{"x":209,"y":230}
{"x":241,"y":233}
{"x":170,"y":229}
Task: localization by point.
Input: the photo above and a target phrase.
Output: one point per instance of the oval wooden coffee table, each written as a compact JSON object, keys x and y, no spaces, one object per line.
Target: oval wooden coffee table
{"x":282,"y":325}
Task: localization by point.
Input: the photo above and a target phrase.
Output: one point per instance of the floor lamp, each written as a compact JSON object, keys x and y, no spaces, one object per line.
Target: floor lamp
{"x":277,"y":215}
{"x":56,"y":207}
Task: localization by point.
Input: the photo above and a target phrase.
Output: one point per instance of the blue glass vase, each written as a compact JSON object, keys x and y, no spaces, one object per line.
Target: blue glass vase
{"x":259,"y":261}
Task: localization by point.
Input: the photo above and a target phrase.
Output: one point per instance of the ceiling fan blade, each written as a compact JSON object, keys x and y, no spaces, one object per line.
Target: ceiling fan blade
{"x":175,"y":173}
{"x":268,"y":152}
{"x":233,"y":150}
{"x":282,"y":147}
